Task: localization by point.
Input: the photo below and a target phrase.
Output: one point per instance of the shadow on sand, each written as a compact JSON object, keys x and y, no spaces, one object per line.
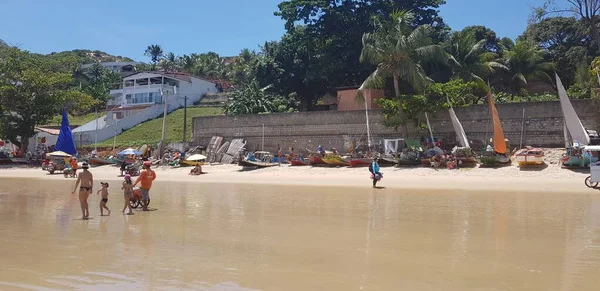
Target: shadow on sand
{"x":532,"y":168}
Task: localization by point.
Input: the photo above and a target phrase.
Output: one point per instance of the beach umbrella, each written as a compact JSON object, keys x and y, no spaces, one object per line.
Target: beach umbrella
{"x":129,"y":151}
{"x":58,"y":154}
{"x":196,"y":157}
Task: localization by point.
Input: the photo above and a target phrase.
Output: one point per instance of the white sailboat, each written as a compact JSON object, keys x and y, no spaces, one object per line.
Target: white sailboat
{"x":463,"y":153}
{"x":576,"y":137}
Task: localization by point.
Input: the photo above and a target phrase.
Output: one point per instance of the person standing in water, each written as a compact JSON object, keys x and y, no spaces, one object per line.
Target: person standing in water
{"x":127,"y":192}
{"x":85,"y":181}
{"x":147,"y":176}
{"x":104,"y":200}
{"x":374,"y":169}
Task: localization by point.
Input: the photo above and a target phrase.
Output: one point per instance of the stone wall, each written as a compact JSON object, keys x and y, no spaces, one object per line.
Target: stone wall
{"x":543,"y":126}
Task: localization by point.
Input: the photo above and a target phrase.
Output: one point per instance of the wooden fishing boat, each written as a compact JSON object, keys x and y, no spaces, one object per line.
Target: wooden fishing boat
{"x":95,"y":161}
{"x":316,"y":160}
{"x":530,"y":157}
{"x":299,"y":162}
{"x":467,"y":161}
{"x":387,"y":161}
{"x":258,"y":160}
{"x":408,"y":162}
{"x":335,"y":160}
{"x":364,"y":162}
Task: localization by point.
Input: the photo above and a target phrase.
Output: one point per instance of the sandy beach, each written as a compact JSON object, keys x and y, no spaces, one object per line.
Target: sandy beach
{"x":550,"y":177}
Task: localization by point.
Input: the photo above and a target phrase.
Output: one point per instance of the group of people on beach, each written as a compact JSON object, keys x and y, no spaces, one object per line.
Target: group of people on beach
{"x":85,"y":181}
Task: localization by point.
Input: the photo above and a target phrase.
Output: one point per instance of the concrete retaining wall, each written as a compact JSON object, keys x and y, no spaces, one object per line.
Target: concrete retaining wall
{"x":543,"y":126}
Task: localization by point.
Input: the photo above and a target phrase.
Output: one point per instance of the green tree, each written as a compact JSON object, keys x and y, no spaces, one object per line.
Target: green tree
{"x":252,"y":99}
{"x":470,"y":60}
{"x":155,"y":52}
{"x":398,"y":50}
{"x":325,"y":37}
{"x":526,"y":62}
{"x":31,"y":94}
{"x":586,"y":10}
{"x":568,"y":42}
{"x":170,"y":62}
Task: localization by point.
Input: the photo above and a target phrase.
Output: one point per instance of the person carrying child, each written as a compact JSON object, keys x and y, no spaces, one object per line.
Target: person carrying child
{"x":375,"y":174}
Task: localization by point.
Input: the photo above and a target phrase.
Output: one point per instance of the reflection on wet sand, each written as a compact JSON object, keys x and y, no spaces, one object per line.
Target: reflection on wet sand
{"x":248,"y":237}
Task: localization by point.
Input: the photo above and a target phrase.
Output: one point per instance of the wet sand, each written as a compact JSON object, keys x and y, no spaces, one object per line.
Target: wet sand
{"x":233,"y":236}
{"x":550,"y":178}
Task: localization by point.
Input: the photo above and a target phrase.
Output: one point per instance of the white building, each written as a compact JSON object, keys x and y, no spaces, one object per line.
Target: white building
{"x":141,"y":97}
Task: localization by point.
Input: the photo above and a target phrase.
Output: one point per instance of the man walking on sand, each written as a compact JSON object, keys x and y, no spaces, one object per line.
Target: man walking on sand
{"x":146,"y":177}
{"x":85,"y":181}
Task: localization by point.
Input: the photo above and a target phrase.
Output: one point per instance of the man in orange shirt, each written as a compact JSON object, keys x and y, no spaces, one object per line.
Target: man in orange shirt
{"x":74,"y":166}
{"x":146,"y":177}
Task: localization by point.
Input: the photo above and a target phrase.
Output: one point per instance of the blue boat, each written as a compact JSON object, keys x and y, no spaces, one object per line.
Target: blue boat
{"x":574,"y":157}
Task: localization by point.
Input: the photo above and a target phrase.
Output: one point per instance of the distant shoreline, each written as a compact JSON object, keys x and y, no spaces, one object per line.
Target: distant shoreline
{"x":510,"y":178}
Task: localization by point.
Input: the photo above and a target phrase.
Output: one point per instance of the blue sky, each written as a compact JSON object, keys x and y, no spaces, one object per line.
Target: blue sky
{"x":127,"y":27}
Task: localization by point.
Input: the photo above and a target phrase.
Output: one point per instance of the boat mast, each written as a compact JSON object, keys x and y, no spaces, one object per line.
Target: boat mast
{"x":368,"y":127}
{"x":263,"y":138}
{"x":522,"y":129}
{"x":429,"y":127}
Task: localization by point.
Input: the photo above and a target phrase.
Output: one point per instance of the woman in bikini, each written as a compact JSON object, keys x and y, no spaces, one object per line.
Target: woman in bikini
{"x":85,"y":181}
{"x":127,"y":192}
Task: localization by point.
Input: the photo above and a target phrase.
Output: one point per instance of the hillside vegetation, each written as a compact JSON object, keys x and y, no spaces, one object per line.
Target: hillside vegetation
{"x":149,"y":132}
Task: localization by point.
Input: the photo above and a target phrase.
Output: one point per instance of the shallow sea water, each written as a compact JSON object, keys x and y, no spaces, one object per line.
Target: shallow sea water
{"x":248,"y":237}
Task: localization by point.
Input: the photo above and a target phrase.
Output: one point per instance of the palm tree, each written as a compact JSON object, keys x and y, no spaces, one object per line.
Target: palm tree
{"x":469,"y":60}
{"x":188,"y":62}
{"x":155,"y":52}
{"x":95,"y":72}
{"x":398,"y":51}
{"x":526,"y":62}
{"x":170,"y":62}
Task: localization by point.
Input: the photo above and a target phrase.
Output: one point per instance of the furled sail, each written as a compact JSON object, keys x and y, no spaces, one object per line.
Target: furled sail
{"x":458,"y":129}
{"x":499,"y":139}
{"x":65,"y":142}
{"x":572,"y":121}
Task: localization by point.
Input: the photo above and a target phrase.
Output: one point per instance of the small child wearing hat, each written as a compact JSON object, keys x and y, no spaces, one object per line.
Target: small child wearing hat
{"x":104,"y":200}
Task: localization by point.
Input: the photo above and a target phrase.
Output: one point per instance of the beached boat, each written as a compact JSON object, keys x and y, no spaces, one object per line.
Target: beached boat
{"x":463,"y":154}
{"x":499,"y":155}
{"x":408,"y":161}
{"x":387,"y":161}
{"x":96,"y":161}
{"x":300,"y":162}
{"x":256,"y":160}
{"x":335,"y":160}
{"x":358,"y":162}
{"x":530,"y":157}
{"x":576,"y":136}
{"x":316,"y":160}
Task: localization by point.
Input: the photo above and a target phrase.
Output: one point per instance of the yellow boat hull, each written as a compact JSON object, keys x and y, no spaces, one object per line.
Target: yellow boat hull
{"x":335,"y":161}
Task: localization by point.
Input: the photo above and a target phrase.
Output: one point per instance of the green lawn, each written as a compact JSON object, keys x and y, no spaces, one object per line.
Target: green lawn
{"x":149,"y":132}
{"x":76,"y":120}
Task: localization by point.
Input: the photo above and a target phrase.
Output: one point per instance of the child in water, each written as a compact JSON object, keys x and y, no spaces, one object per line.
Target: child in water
{"x":104,"y":200}
{"x":127,"y":192}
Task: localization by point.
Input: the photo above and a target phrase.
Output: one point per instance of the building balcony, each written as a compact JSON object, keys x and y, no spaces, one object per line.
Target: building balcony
{"x":146,"y":88}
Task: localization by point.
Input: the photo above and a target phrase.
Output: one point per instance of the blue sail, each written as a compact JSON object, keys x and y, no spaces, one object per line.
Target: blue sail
{"x":65,"y":142}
